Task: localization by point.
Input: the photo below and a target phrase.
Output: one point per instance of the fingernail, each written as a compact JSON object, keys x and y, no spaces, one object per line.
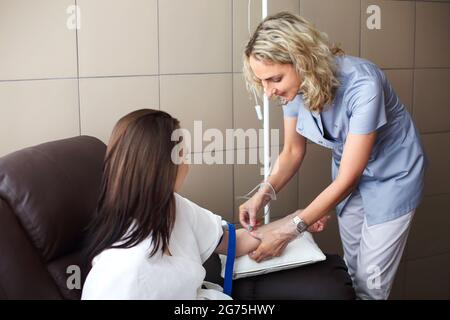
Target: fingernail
{"x":250,"y":228}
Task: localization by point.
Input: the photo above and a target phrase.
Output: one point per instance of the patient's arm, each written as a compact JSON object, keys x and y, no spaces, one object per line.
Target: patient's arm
{"x":245,"y":243}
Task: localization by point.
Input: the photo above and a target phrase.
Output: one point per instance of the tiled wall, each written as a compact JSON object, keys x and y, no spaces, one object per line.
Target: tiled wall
{"x":184,"y":56}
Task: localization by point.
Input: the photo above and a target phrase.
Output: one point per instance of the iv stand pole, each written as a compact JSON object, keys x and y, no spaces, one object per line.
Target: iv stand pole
{"x":266,"y":129}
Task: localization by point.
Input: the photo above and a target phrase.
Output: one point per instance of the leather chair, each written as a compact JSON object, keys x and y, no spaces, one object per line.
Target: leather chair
{"x":47,"y":196}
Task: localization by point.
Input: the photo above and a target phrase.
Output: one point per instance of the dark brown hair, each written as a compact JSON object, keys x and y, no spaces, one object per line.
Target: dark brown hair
{"x":137,"y":185}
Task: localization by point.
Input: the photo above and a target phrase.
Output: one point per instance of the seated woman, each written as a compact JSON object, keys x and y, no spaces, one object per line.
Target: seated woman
{"x":146,"y":241}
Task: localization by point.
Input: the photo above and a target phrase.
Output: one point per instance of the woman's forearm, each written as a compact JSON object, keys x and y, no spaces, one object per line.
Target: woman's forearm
{"x":286,"y":166}
{"x":326,"y":201}
{"x":276,"y":223}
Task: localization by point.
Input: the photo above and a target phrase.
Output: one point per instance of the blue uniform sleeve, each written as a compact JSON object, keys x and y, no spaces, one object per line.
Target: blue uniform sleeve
{"x":366,"y":104}
{"x":290,"y":110}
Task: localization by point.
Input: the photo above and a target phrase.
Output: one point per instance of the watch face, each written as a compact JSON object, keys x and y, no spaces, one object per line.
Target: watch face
{"x":301,"y":226}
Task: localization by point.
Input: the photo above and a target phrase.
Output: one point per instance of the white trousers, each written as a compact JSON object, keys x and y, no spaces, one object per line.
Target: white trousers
{"x":372,"y":254}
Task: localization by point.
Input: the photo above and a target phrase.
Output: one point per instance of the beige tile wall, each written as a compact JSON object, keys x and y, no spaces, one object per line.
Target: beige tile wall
{"x":339,"y":19}
{"x":104,"y":100}
{"x":195,"y":36}
{"x":184,"y":56}
{"x":36,"y":111}
{"x":211,"y":186}
{"x":34,"y":40}
{"x":199,"y":97}
{"x":110,"y":43}
{"x":393,"y":45}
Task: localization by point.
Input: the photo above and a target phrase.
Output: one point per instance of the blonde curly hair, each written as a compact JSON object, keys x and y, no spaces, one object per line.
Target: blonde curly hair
{"x":290,"y":39}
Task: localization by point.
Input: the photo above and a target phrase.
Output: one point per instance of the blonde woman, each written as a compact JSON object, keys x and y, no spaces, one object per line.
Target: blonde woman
{"x":346,"y":104}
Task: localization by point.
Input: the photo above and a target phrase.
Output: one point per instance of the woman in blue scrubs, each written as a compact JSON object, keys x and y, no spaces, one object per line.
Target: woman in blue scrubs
{"x":346,"y":104}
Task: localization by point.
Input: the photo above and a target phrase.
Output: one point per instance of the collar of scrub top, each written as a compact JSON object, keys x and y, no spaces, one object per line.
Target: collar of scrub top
{"x":231,"y":254}
{"x":311,"y":127}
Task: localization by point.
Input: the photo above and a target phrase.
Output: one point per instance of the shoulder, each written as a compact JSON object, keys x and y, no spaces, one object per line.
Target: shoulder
{"x":182,"y":201}
{"x":191,"y":211}
{"x":197,"y":226}
{"x":292,"y":108}
{"x":353,"y":69}
{"x":360,"y":78}
{"x":185,"y":207}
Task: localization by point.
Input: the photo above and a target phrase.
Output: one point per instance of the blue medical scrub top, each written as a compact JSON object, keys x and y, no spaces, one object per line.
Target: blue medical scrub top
{"x":392,"y":183}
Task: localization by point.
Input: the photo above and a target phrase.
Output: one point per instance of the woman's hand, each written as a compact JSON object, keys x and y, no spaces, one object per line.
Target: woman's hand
{"x":273,"y":242}
{"x":249,"y":209}
{"x":319,"y":225}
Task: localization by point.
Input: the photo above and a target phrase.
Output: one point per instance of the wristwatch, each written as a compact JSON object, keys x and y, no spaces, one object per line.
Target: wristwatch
{"x":300,"y":224}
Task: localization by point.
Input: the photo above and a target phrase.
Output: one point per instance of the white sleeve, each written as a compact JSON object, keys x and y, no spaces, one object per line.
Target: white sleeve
{"x":207,"y":228}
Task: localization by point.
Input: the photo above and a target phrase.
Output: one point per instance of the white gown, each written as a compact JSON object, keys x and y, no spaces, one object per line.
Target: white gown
{"x":131,"y":274}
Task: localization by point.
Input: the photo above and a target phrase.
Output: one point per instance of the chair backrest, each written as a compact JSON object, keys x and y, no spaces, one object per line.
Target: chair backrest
{"x":48,"y":194}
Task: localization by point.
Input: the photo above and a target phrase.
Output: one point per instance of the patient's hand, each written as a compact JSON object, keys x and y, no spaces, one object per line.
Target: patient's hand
{"x":273,"y":241}
{"x":272,"y":245}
